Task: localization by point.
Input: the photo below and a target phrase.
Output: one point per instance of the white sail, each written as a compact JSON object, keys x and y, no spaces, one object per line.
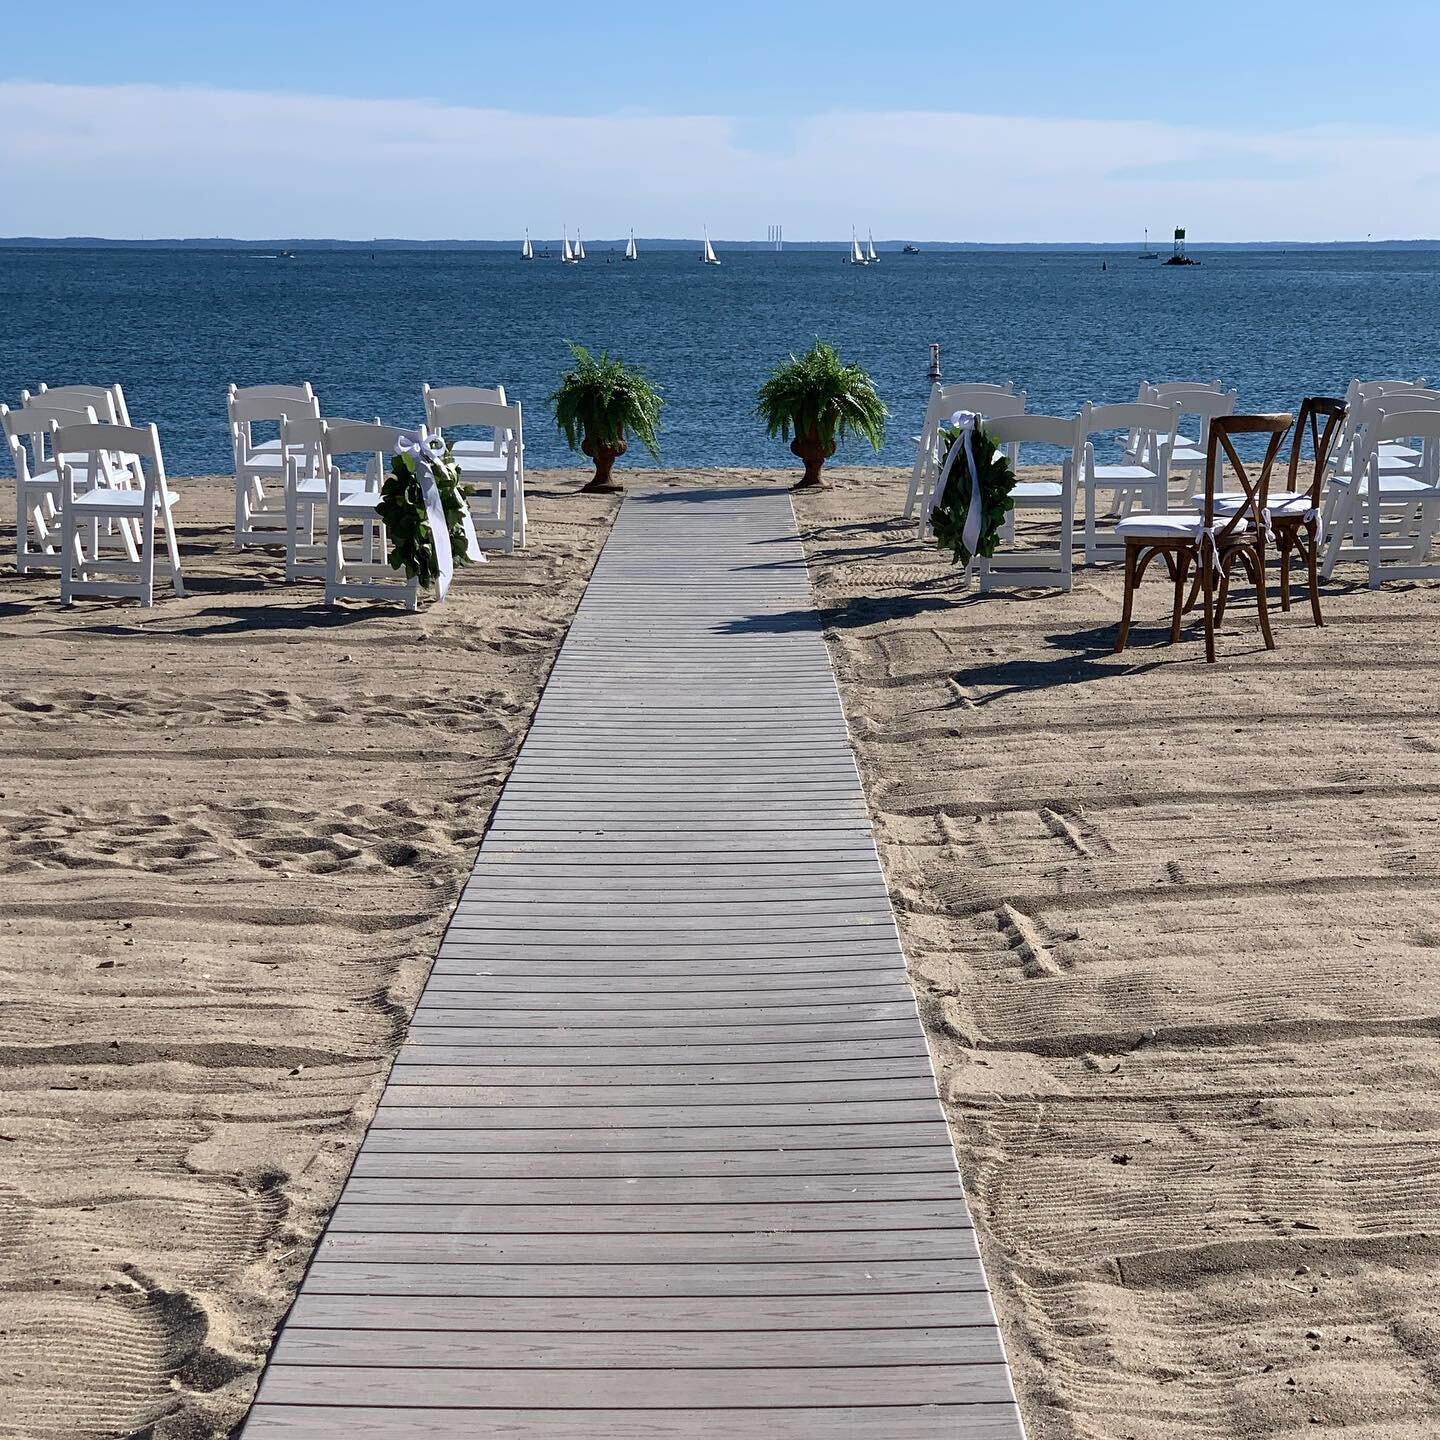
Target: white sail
{"x":579,"y":247}
{"x":857,"y":255}
{"x":631,"y":253}
{"x":707,"y":255}
{"x":527,"y":250}
{"x":871,"y":258}
{"x":567,"y":255}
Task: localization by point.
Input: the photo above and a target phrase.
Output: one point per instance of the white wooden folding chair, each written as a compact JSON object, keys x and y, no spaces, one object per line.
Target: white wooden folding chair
{"x":1036,"y":566}
{"x":943,"y":402}
{"x":29,"y":433}
{"x":987,"y":401}
{"x":307,"y":492}
{"x":1142,"y":478}
{"x":1189,"y":455}
{"x":1160,"y":393}
{"x":140,"y":512}
{"x":363,"y":571}
{"x":1392,"y":518}
{"x":494,"y":469}
{"x":1394,"y":468}
{"x":260,"y":512}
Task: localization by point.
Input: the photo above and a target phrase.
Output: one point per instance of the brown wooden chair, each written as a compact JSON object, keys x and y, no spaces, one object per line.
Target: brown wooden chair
{"x":1213,"y":542}
{"x":1295,"y":518}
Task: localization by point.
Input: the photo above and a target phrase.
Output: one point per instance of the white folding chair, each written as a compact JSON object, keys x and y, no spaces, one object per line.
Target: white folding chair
{"x":1395,"y":467}
{"x":139,"y":512}
{"x":1141,"y":478}
{"x":1201,"y":403}
{"x":1160,"y":393}
{"x":307,"y":492}
{"x":988,"y":404}
{"x":364,"y":571}
{"x":260,"y":513}
{"x":1036,"y":566}
{"x":1393,"y":518}
{"x":29,"y":433}
{"x":944,"y":400}
{"x":494,"y":469}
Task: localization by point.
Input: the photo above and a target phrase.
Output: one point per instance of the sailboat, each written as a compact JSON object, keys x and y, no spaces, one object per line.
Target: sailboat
{"x":631,"y":253}
{"x":857,"y":255}
{"x":871,"y":258}
{"x":567,"y":255}
{"x":1146,"y":253}
{"x":527,"y":250}
{"x":707,"y":255}
{"x":579,"y":247}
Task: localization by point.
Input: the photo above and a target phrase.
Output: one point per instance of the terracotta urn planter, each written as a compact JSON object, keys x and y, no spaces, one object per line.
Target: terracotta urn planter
{"x":604,"y":457}
{"x":813,"y":452}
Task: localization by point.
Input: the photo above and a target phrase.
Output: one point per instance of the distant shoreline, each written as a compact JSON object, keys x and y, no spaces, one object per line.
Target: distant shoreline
{"x":667,"y":243}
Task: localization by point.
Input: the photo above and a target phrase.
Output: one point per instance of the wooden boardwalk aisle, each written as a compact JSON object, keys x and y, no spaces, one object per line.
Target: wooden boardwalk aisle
{"x":662,"y":1154}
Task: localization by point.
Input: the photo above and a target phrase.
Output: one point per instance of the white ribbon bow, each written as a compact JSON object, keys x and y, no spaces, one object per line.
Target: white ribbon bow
{"x":965,"y":422}
{"x":1267,"y":526}
{"x":425,"y":450}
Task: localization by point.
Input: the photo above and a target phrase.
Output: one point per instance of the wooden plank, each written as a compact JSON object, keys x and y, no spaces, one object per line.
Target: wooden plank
{"x":746,"y":1346}
{"x":886,"y":1422}
{"x":613,"y":1386}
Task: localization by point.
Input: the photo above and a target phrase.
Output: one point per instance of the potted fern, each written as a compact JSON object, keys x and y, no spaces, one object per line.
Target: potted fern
{"x":597,"y":403}
{"x":818,"y":399}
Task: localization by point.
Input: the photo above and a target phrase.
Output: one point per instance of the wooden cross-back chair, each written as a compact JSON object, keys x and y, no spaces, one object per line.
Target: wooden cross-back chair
{"x":1295,"y":515}
{"x":1216,"y":540}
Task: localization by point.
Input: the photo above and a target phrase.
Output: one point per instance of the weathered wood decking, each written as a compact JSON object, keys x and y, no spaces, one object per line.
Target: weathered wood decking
{"x":662,"y":1154}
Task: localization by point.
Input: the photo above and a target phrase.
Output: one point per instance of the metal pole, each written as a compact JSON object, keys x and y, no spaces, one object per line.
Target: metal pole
{"x":935,"y":364}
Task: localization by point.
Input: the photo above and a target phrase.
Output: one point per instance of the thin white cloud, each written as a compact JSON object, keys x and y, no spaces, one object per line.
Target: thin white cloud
{"x":130,"y":161}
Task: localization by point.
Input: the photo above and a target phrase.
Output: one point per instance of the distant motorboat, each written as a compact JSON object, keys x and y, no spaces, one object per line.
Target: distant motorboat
{"x":857,"y":255}
{"x":631,"y":253}
{"x":527,"y":250}
{"x":708,"y":255}
{"x":871,"y":258}
{"x":911,"y":250}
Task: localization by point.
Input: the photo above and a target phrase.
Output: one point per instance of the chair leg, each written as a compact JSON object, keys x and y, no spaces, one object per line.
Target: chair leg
{"x":1285,"y":573}
{"x":1262,"y":603}
{"x":172,"y":550}
{"x":1131,"y":555}
{"x":1182,"y":570}
{"x":1312,"y":559}
{"x":1207,"y":584}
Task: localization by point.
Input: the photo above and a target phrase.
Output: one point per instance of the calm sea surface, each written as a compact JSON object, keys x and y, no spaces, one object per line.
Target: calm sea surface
{"x":176,"y":326}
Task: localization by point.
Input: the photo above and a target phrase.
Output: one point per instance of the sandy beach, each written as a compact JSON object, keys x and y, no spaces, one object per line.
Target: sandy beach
{"x":1174,"y":930}
{"x":232,"y":829}
{"x":1176,"y":934}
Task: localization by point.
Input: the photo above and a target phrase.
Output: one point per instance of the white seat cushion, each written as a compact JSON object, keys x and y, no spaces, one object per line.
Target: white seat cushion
{"x":105,"y":497}
{"x":1163,"y":527}
{"x":1038,"y":490}
{"x":1285,"y":502}
{"x":1124,"y":475}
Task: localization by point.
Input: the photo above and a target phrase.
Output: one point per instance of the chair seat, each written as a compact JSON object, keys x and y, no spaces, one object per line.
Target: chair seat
{"x":313,"y":487}
{"x":1394,"y":450}
{"x":1392,"y":486}
{"x":106,"y":497}
{"x":1187,"y":457}
{"x":1038,"y":490}
{"x":1164,"y":527}
{"x":358,"y":502}
{"x":1285,"y":502}
{"x":1125,"y":475}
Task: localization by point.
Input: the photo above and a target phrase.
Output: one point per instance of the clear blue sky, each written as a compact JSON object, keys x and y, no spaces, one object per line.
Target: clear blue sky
{"x":1254,"y":71}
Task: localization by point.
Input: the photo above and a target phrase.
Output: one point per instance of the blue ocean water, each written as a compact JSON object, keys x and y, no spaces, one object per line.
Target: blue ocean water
{"x":176,"y":326}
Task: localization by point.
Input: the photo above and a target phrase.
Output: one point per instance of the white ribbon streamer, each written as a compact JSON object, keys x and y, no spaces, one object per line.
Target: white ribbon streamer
{"x":424,"y":451}
{"x":965,"y":422}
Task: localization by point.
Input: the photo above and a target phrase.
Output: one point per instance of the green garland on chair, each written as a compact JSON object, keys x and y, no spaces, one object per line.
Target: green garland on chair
{"x":997,"y":481}
{"x":402,"y":511}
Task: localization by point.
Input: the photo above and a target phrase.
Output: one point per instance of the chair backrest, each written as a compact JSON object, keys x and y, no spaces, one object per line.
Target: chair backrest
{"x":484,"y":414}
{"x":36,"y":423}
{"x":249,"y":407}
{"x":1253,"y":477}
{"x":235,"y":393}
{"x":1155,"y":424}
{"x":1368,"y":389}
{"x":1204,"y":403}
{"x":436,"y":396}
{"x":1160,"y":392}
{"x":1015,"y":431}
{"x":107,"y":401}
{"x":1320,"y":418}
{"x":361,"y":437}
{"x":96,"y":444}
